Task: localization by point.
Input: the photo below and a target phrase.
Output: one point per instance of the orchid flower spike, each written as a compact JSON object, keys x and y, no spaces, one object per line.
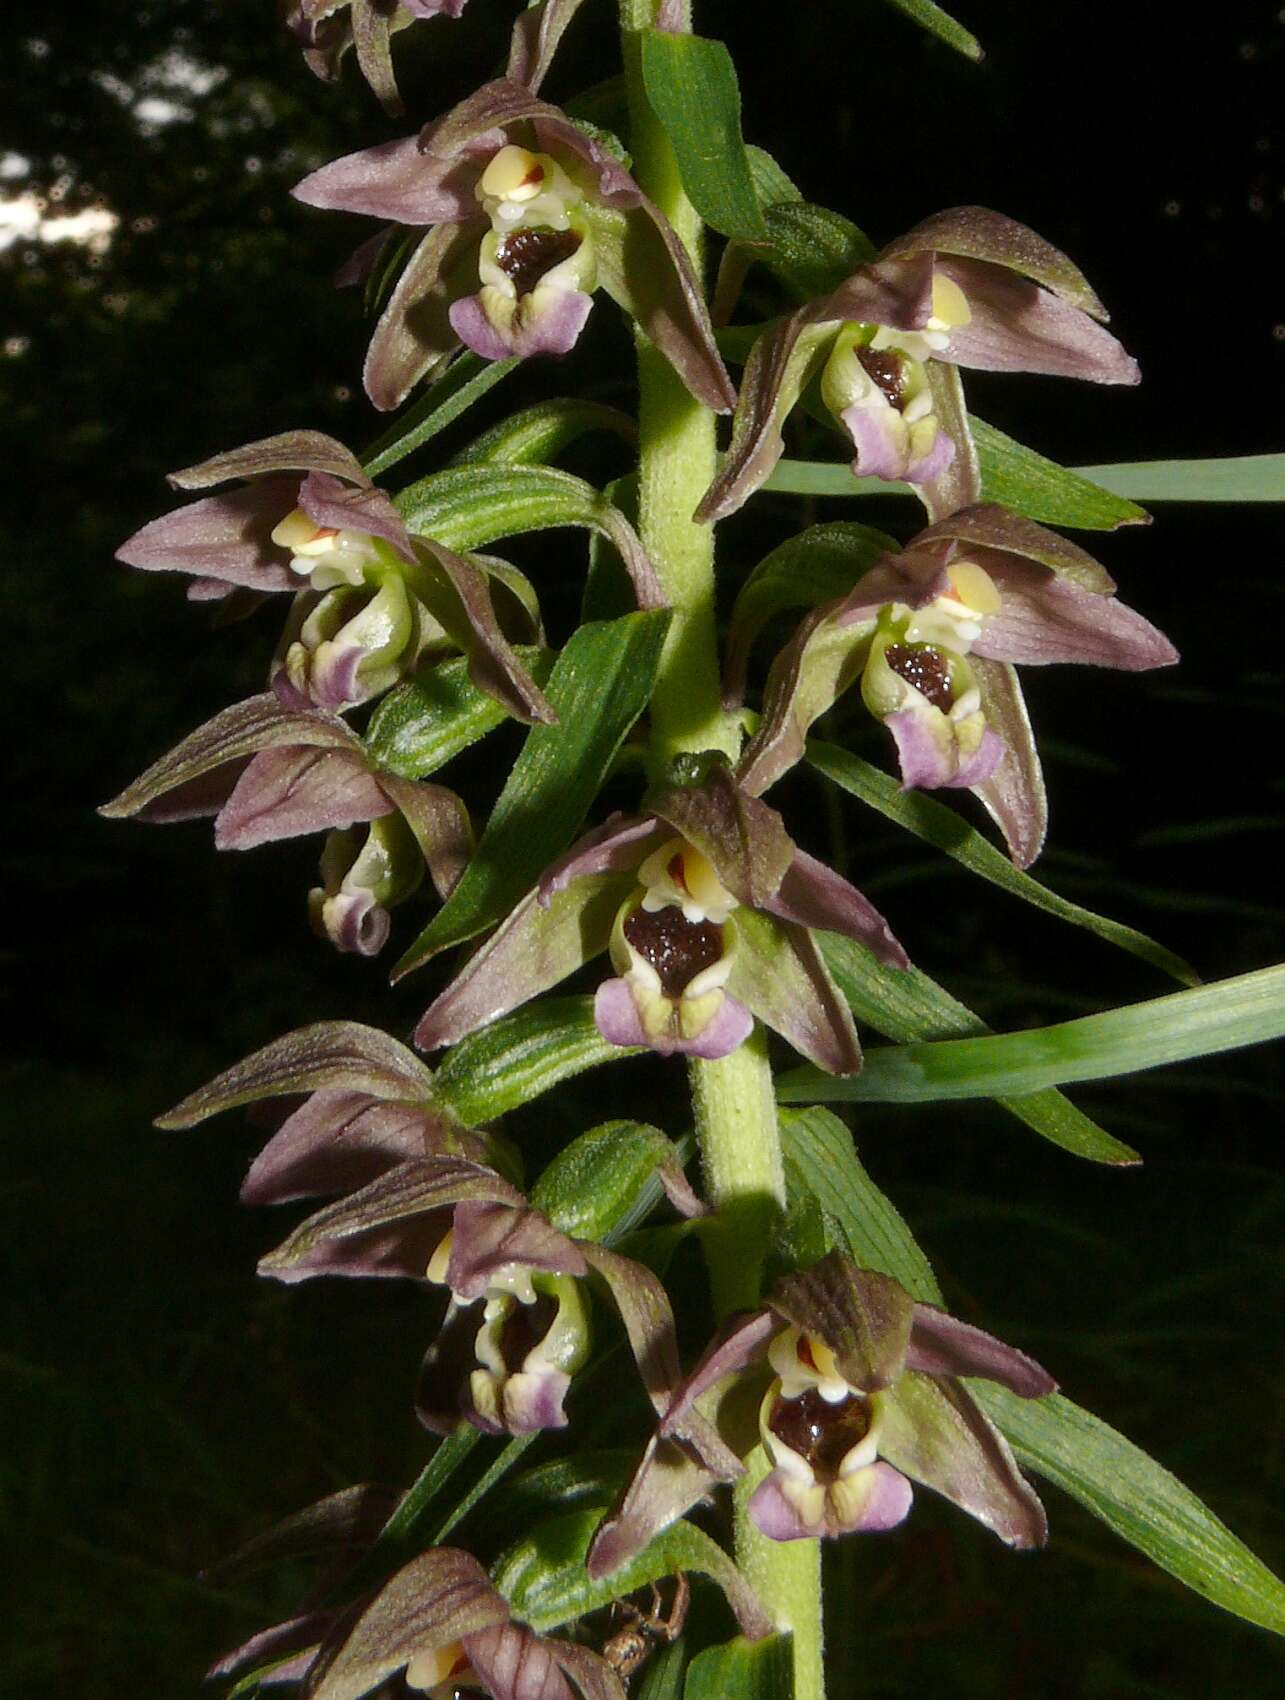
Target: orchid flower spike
{"x":933,"y":634}
{"x":705,"y":905}
{"x":528,"y":215}
{"x":858,"y":1394}
{"x":967,"y":287}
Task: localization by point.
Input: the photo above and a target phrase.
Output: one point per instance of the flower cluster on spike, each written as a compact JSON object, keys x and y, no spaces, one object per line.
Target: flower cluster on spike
{"x":503,"y":220}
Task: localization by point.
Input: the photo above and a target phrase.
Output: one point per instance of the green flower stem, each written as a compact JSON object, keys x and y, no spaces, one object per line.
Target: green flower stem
{"x":736,"y":1127}
{"x":786,"y":1575}
{"x":733,"y":1098}
{"x":676,"y":466}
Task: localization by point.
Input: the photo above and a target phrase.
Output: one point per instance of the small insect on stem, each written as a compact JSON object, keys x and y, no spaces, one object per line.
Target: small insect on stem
{"x":630,"y":1648}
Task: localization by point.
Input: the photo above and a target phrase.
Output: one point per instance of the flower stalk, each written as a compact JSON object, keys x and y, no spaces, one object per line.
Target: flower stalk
{"x":732,"y":1097}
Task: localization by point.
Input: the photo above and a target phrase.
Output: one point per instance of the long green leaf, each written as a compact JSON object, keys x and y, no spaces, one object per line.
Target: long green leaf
{"x":821,"y":1161}
{"x":1245,"y":1010}
{"x":599,"y":686}
{"x":1247,"y":478}
{"x":939,"y":23}
{"x":745,"y":1670}
{"x":405,"y":1528}
{"x":517,"y":1058}
{"x":1236,"y":478}
{"x":1018,"y":478}
{"x":418,"y":727}
{"x":692,"y":88}
{"x":823,"y":477}
{"x":478,"y":1492}
{"x":906,"y":1005}
{"x":465,"y":381}
{"x":948,"y":831}
{"x":1137,"y":1498}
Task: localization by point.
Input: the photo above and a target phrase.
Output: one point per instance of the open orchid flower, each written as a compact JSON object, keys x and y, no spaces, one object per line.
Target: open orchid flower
{"x":326,"y":29}
{"x":442,"y":1625}
{"x":528,"y":215}
{"x":967,"y":287}
{"x":302,"y":512}
{"x":705,"y":904}
{"x":371,"y":599}
{"x":517,"y":1324}
{"x":933,"y":633}
{"x":268,"y":772}
{"x":863,"y":1397}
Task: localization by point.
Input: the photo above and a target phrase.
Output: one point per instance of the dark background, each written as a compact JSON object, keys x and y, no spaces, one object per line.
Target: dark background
{"x":162,"y":1404}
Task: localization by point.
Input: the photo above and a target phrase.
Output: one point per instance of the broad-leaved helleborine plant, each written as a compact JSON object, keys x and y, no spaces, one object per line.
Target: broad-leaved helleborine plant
{"x":616,"y":891}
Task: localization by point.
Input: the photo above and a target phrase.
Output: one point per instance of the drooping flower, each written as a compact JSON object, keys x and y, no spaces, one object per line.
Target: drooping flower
{"x":967,"y":287}
{"x":419,"y":1197}
{"x":326,"y":29}
{"x":516,"y":1328}
{"x":372,"y":599}
{"x":443,"y":1626}
{"x":863,"y":1397}
{"x":268,"y":772}
{"x":933,"y":633}
{"x":705,"y":904}
{"x":528,"y":215}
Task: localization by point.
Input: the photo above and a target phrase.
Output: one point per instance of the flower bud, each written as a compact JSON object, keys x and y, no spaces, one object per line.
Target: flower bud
{"x":353,"y":643}
{"x":364,"y":875}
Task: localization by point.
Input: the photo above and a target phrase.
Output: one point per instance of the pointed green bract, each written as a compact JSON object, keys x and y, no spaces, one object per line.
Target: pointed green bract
{"x":601,"y":1183}
{"x":516,"y":1059}
{"x":820,"y":564}
{"x":821,"y":1162}
{"x":937,"y":22}
{"x":543,"y":1575}
{"x":537,"y":434}
{"x":423,"y":723}
{"x":465,"y":381}
{"x":812,"y":248}
{"x":691,"y":85}
{"x":941,"y":826}
{"x":599,"y":686}
{"x":1018,"y":478}
{"x":1245,"y":1010}
{"x":1139,"y":1499}
{"x":749,"y":1670}
{"x":467,"y":507}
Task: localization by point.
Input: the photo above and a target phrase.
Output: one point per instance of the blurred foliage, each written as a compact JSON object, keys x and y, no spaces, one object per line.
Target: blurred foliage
{"x":160,"y":1403}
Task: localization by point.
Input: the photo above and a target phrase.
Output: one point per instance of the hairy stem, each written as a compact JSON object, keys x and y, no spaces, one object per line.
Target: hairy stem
{"x":676,"y":466}
{"x":733,"y":1099}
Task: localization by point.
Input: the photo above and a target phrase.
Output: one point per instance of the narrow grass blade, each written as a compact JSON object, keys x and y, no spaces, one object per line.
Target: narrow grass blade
{"x":1245,"y":1010}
